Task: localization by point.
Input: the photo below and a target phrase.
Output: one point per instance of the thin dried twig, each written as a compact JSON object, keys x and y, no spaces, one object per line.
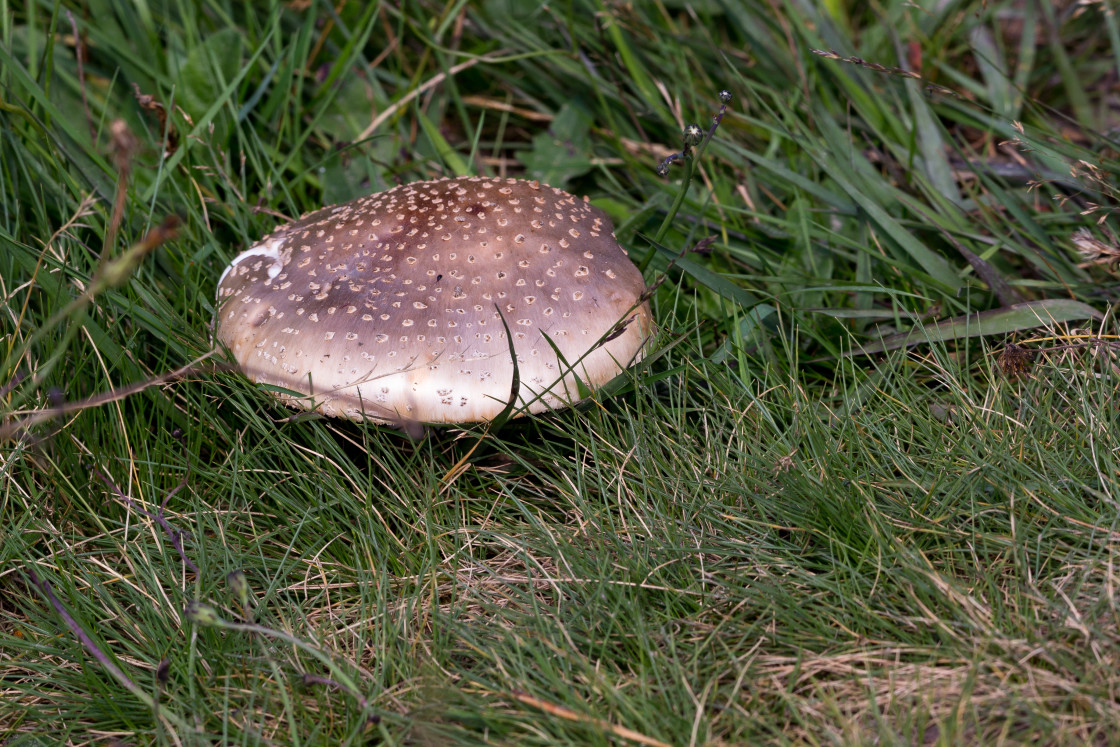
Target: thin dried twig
{"x":886,"y":69}
{"x":124,"y":146}
{"x":81,"y":635}
{"x":173,"y":533}
{"x":13,"y":428}
{"x":79,"y":55}
{"x":102,"y":658}
{"x":316,"y":679}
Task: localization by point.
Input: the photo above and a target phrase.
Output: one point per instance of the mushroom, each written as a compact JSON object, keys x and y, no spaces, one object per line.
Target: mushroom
{"x":395,"y":307}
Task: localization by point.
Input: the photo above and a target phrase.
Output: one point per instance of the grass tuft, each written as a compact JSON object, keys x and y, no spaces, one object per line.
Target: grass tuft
{"x":864,"y":489}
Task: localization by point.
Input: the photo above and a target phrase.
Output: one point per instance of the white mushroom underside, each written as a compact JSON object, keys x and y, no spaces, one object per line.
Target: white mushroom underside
{"x":391,"y":307}
{"x":268,"y":249}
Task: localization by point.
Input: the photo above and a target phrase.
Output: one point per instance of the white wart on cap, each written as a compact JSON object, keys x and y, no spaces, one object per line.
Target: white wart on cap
{"x":390,"y":308}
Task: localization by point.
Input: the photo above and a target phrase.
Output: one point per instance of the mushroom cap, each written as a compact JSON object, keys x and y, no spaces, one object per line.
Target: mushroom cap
{"x":391,"y":307}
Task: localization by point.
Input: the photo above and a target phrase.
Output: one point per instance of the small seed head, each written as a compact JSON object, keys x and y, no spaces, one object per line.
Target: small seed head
{"x":692,"y":135}
{"x":1015,"y":360}
{"x":725,"y":96}
{"x":663,"y":168}
{"x":239,"y":585}
{"x":201,"y":614}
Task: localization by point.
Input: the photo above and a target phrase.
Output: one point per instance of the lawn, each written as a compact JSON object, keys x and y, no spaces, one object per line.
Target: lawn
{"x":863,"y":489}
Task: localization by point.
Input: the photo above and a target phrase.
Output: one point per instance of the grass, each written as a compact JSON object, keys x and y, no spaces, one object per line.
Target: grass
{"x":759,"y":535}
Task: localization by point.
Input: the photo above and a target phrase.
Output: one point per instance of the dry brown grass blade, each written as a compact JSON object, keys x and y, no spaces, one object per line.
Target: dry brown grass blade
{"x":435,"y":80}
{"x":570,"y":715}
{"x":461,"y":466}
{"x":488,"y":102}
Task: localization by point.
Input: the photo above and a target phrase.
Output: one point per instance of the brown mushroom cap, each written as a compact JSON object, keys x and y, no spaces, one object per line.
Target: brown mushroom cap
{"x":390,"y":307}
